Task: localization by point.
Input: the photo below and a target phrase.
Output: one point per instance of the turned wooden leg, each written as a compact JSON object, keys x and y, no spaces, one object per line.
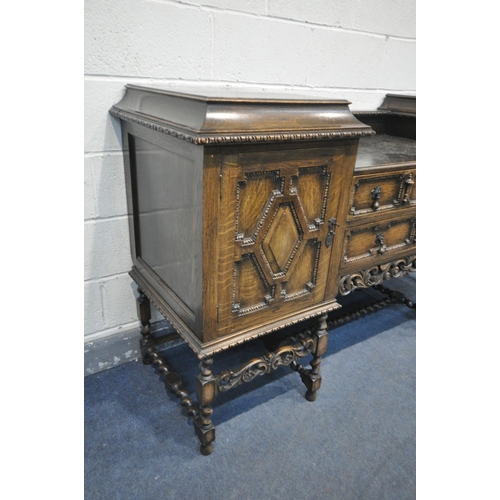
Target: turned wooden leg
{"x":144,"y":314}
{"x":205,"y":392}
{"x":312,"y":377}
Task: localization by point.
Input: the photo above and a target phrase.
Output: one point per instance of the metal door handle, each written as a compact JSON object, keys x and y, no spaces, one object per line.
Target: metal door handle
{"x":331,"y":231}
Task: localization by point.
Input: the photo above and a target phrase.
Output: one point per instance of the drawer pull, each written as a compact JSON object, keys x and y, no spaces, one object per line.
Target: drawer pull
{"x":331,"y":231}
{"x":376,"y":194}
{"x":379,"y":240}
{"x":408,"y":180}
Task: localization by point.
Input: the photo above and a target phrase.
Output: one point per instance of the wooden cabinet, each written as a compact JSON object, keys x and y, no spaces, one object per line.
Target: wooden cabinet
{"x":246,"y":213}
{"x":234,"y":201}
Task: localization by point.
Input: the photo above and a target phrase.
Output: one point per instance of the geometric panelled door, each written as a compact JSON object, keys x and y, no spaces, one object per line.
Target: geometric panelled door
{"x":280,"y":233}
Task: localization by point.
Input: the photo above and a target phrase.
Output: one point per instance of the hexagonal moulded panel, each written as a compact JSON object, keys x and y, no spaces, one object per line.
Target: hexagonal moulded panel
{"x":283,"y":239}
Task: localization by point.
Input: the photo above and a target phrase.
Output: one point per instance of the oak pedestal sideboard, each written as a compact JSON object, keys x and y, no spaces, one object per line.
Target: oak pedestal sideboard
{"x":251,"y":212}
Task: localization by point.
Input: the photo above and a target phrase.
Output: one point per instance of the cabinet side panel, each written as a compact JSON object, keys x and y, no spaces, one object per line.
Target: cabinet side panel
{"x":167,"y":220}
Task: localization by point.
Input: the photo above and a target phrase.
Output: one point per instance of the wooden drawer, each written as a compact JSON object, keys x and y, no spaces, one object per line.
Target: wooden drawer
{"x":382,"y":192}
{"x":373,"y":243}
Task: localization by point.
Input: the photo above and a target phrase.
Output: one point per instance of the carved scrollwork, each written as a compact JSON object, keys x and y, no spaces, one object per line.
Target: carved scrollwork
{"x":376,"y":274}
{"x":283,"y":356}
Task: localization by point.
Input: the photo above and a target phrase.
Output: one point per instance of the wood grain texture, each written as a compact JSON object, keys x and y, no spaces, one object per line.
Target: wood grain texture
{"x":382,"y":192}
{"x":366,"y":245}
{"x":275,"y":261}
{"x":209,"y":248}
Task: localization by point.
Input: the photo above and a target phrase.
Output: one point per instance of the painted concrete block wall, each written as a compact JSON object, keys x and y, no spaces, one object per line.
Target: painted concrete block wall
{"x":354,"y":49}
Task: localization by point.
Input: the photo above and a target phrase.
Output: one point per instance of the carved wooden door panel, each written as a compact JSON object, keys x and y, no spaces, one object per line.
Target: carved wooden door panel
{"x":279,"y":228}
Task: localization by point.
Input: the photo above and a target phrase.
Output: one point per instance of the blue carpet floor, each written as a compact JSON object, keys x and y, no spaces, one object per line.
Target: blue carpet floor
{"x":356,"y":441}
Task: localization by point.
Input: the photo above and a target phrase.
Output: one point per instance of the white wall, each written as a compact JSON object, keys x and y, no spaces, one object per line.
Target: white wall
{"x":354,"y":49}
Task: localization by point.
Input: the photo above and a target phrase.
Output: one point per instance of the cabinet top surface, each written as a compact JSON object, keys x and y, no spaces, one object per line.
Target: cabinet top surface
{"x":385,"y":150}
{"x":240,"y":95}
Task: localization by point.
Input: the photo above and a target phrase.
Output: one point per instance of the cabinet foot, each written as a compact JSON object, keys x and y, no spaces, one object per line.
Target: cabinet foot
{"x":206,"y":449}
{"x":311,"y":396}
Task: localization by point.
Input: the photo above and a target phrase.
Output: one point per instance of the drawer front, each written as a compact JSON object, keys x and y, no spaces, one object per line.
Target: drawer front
{"x":382,"y":192}
{"x":374,"y":243}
